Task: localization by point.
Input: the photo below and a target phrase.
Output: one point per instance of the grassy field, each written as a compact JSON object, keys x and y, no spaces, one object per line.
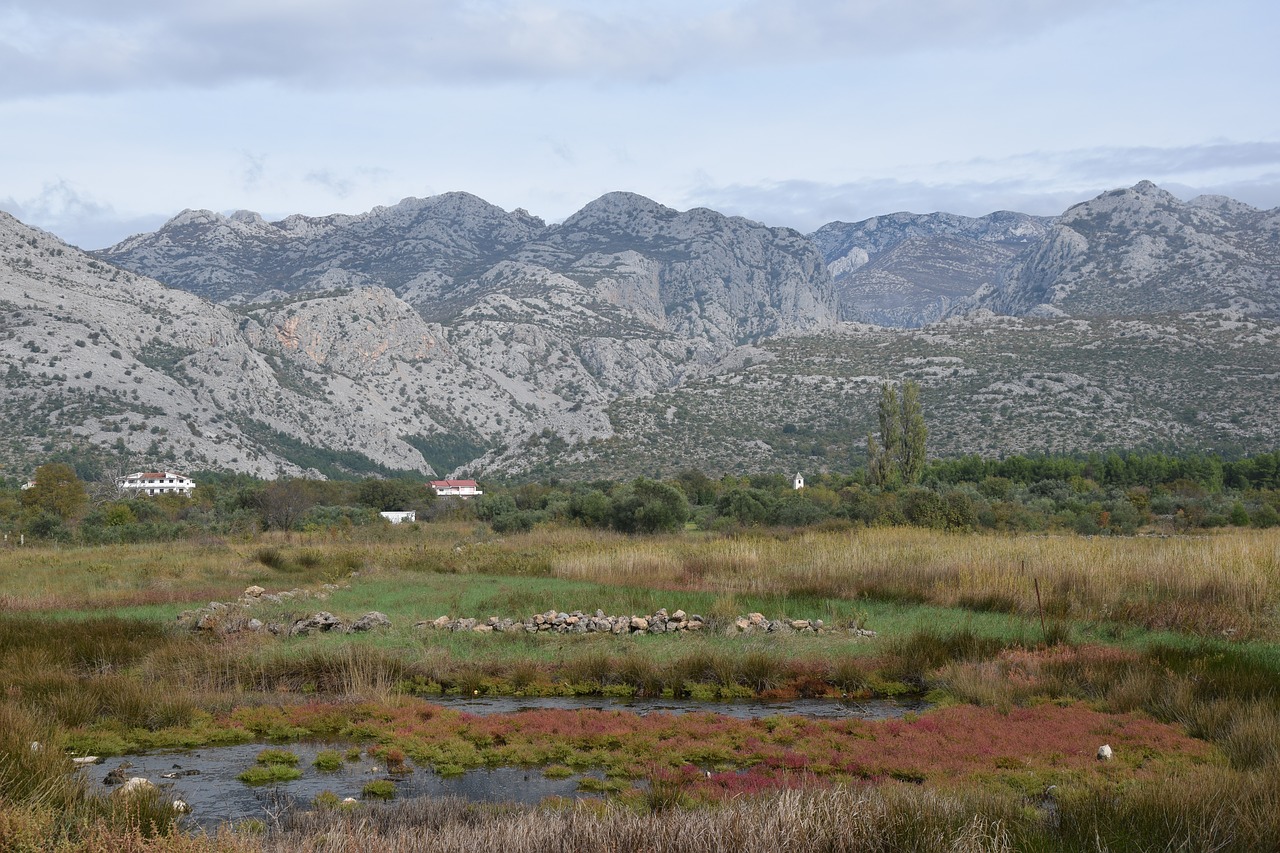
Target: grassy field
{"x":1034,"y":650}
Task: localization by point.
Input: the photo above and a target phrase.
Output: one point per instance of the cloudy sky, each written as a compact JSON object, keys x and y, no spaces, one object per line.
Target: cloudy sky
{"x":117,"y":114}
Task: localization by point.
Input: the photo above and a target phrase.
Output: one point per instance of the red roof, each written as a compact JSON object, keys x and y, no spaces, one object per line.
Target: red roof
{"x":453,"y":484}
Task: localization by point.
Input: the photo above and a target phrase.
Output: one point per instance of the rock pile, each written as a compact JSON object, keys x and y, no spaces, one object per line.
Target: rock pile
{"x":234,"y":617}
{"x":660,"y":622}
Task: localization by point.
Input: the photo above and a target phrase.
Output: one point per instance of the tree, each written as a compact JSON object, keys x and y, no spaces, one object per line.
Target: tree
{"x":898,"y":456}
{"x":282,"y":503}
{"x":56,"y":490}
{"x":915,"y":435}
{"x":646,"y":506}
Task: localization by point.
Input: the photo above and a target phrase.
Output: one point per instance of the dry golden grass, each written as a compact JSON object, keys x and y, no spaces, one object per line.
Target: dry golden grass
{"x":1223,"y":581}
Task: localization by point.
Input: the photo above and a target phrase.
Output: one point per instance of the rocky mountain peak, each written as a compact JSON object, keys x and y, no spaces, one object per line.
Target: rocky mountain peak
{"x":620,"y":212}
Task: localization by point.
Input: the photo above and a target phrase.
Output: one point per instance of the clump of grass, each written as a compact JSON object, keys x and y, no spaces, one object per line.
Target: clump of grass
{"x":328,"y":760}
{"x":761,"y":671}
{"x":269,"y":774}
{"x":271,"y":557}
{"x":913,"y":657}
{"x":326,"y":800}
{"x":379,"y":789}
{"x":272,"y":757}
{"x":309,"y":559}
{"x":641,"y":673}
{"x":593,"y":668}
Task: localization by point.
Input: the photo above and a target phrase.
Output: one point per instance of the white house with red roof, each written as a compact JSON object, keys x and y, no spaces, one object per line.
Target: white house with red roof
{"x":456,"y":488}
{"x":156,"y":483}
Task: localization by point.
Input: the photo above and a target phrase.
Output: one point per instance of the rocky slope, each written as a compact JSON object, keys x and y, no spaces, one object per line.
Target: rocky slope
{"x":349,"y":382}
{"x":1127,"y":253}
{"x":1136,"y":251}
{"x":445,"y":334}
{"x":907,"y":270}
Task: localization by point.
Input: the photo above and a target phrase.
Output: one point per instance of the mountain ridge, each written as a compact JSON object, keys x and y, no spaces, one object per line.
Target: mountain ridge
{"x":634,"y":337}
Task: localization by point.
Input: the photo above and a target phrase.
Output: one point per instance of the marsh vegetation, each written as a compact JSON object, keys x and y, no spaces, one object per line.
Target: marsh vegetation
{"x":1032,"y":649}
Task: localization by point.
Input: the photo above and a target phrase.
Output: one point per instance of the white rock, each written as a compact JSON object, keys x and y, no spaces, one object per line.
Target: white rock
{"x":134,"y":785}
{"x":1104,"y":752}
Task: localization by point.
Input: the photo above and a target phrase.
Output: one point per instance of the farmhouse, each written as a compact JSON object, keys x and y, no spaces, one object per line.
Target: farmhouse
{"x":456,"y":488}
{"x":156,"y":483}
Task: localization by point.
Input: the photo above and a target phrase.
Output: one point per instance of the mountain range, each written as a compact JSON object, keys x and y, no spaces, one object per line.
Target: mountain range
{"x":446,"y":335}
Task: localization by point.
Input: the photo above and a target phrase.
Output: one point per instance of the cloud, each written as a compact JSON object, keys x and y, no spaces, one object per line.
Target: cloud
{"x":84,"y":46}
{"x":254,"y":170}
{"x":76,"y":217}
{"x":340,"y":187}
{"x":1043,"y":183}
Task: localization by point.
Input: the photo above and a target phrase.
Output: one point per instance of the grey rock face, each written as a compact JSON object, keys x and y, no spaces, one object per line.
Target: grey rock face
{"x":908,"y":270}
{"x":1141,"y":251}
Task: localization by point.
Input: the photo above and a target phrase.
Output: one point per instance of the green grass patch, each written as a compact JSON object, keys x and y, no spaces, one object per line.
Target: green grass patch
{"x":269,"y":775}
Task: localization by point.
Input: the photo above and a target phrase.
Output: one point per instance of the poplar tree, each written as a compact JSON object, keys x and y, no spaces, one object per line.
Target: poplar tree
{"x":898,"y":456}
{"x":914,"y":434}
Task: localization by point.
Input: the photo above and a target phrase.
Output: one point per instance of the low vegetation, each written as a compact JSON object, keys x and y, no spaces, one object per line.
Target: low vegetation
{"x":1032,"y":651}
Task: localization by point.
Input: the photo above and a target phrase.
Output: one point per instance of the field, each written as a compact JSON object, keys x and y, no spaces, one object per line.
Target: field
{"x":1032,"y":651}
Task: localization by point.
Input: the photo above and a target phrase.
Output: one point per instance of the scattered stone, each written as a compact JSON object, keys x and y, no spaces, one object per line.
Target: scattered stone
{"x":254,"y":592}
{"x":181,"y":807}
{"x":86,"y":760}
{"x":1105,"y":752}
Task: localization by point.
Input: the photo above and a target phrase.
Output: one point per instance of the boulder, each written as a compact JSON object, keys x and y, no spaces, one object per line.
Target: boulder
{"x":322,"y":621}
{"x":135,"y":785}
{"x":369,"y":621}
{"x":254,"y":592}
{"x":1105,"y":752}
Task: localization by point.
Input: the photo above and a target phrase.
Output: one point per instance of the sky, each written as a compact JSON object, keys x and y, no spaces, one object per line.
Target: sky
{"x":115,"y":115}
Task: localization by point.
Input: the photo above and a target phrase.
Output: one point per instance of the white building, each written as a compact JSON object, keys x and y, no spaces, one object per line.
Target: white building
{"x":456,"y":488}
{"x":396,"y":517}
{"x":797,"y":482}
{"x":156,"y":483}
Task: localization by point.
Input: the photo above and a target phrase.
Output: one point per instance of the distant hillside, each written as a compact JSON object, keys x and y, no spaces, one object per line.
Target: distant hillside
{"x":445,"y":334}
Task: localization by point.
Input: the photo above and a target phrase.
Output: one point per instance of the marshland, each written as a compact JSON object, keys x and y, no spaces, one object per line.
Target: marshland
{"x":1017,"y":654}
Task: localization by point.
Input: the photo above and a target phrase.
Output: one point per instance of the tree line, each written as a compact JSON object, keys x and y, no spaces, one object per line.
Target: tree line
{"x":1114,"y":493}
